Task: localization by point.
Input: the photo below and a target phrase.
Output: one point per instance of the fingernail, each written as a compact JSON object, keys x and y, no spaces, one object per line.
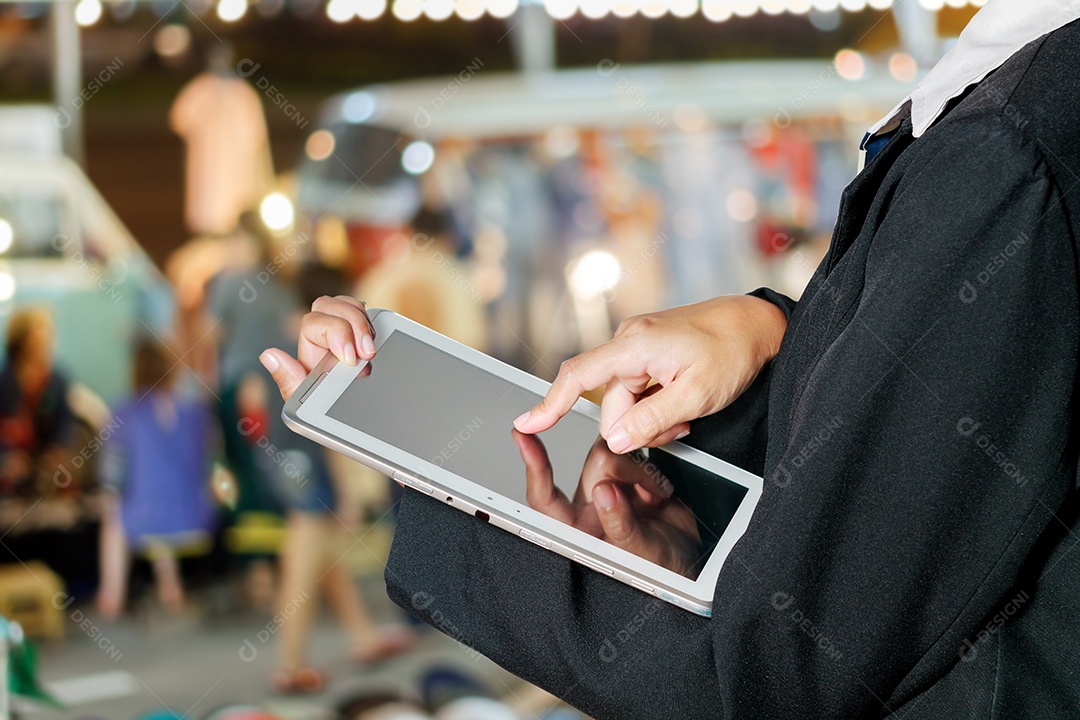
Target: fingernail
{"x":269,"y":361}
{"x":522,"y":418}
{"x":619,"y":443}
{"x":367,"y":345}
{"x":604,"y":497}
{"x":683,"y":434}
{"x":350,"y":354}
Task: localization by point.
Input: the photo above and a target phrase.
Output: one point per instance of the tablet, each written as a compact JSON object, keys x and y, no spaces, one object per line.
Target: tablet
{"x":437,"y":417}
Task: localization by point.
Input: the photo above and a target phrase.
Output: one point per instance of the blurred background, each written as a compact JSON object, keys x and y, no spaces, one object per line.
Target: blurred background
{"x":180,"y":179}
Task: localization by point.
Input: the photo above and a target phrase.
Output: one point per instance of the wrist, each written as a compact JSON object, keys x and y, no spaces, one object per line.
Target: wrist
{"x":758,"y":323}
{"x":768,"y":325}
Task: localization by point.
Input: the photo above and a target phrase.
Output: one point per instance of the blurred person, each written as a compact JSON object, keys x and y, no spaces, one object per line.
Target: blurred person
{"x":228,"y":169}
{"x":243,"y":306}
{"x":157,"y":466}
{"x":36,"y":420}
{"x":420,"y":277}
{"x":189,"y":269}
{"x":913,"y":415}
{"x":228,"y":286}
{"x":250,"y":305}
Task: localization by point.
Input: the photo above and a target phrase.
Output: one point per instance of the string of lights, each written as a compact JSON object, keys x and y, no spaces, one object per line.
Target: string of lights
{"x":90,"y":12}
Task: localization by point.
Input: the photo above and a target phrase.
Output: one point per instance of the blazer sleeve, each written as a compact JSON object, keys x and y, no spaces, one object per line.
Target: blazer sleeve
{"x":922,"y":451}
{"x":780,"y":300}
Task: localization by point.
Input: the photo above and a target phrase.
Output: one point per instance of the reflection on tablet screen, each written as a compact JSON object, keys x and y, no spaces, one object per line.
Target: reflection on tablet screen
{"x":460,"y":417}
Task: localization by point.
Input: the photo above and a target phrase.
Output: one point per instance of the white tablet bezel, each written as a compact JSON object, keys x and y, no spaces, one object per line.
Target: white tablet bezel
{"x":306,"y":413}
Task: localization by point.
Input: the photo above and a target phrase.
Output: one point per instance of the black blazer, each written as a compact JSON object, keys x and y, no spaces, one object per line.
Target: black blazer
{"x":913,"y":549}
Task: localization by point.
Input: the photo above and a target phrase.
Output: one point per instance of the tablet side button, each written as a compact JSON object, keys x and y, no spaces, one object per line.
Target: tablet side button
{"x":313,"y":386}
{"x":534,"y":538}
{"x":644,"y":587}
{"x":413,"y":482}
{"x":589,"y":562}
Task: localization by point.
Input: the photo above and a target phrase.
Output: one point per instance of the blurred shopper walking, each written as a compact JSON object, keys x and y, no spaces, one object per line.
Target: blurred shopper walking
{"x":250,"y":305}
{"x":157,"y":464}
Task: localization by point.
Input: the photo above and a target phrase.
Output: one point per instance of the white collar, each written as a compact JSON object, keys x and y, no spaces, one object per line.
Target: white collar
{"x":996,"y":33}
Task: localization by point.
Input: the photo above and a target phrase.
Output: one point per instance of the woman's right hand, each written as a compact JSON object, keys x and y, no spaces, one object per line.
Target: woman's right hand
{"x":667,"y":368}
{"x":338,"y":324}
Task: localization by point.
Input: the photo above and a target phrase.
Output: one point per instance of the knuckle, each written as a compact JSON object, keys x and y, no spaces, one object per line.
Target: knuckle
{"x":636,"y":324}
{"x":647,"y":421}
{"x":607,"y":465}
{"x":623,"y":532}
{"x":321,"y":302}
{"x":628,"y":325}
{"x":569,"y":369}
{"x":338,"y":327}
{"x":352,"y":304}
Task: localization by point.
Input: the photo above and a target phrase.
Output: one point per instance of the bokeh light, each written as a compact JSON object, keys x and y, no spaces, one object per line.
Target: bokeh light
{"x":341,"y":11}
{"x":850,"y":64}
{"x":594,"y":273}
{"x":716,"y":10}
{"x":741,"y":205}
{"x":172,"y":40}
{"x":418,"y":157}
{"x":7,"y":236}
{"x":7,"y":285}
{"x":231,"y":10}
{"x":407,"y":10}
{"x":88,"y":12}
{"x":903,"y":67}
{"x":358,"y":107}
{"x":320,"y":145}
{"x":276,"y":212}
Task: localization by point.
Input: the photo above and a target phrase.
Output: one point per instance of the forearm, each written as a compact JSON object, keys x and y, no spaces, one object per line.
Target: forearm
{"x":592,"y":641}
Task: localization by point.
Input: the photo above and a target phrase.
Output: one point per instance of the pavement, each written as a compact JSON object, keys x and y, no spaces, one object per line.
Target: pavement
{"x":151,"y":662}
